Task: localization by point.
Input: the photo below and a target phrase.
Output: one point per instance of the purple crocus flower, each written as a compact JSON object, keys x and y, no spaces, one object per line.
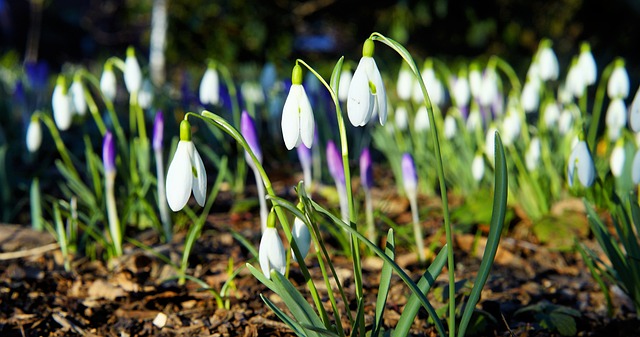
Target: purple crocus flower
{"x":366,"y":172}
{"x":409,"y":175}
{"x":248,"y":130}
{"x":158,"y":130}
{"x":334,"y":161}
{"x":304,"y":155}
{"x":109,"y":153}
{"x":37,"y":73}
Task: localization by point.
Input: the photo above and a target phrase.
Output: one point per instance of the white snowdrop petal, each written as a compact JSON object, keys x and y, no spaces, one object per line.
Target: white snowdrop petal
{"x":360,"y":100}
{"x":303,"y":237}
{"x":477,"y":167}
{"x":34,"y":136}
{"x":381,"y":93}
{"x":77,"y":94}
{"x":450,"y":127}
{"x":132,"y":74}
{"x":61,"y":109}
{"x":179,"y":178}
{"x":263,"y":255}
{"x":635,"y":170}
{"x":290,"y":119}
{"x":616,"y":162}
{"x":405,"y":84}
{"x":634,"y":113}
{"x":307,"y":123}
{"x":209,"y":87}
{"x":108,"y":84}
{"x":199,"y":184}
{"x":343,"y":86}
{"x":618,"y":85}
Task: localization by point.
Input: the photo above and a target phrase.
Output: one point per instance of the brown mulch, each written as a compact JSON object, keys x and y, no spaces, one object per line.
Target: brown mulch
{"x":139,"y":294}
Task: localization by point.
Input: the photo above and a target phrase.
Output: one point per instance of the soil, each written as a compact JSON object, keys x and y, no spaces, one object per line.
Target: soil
{"x":139,"y":294}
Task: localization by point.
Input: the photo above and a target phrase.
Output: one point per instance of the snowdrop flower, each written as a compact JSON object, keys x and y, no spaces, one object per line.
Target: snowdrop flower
{"x":402,"y":118}
{"x":302,"y":236}
{"x":616,"y":161}
{"x":297,"y":116}
{"x":532,"y":156}
{"x":421,"y":122}
{"x":252,"y":92}
{"x":511,"y":126}
{"x":405,"y":83}
{"x":61,"y":104}
{"x":271,"y":252}
{"x":345,"y":83}
{"x":477,"y":167}
{"x":618,"y":85}
{"x":475,"y":80}
{"x":432,"y":83}
{"x":132,"y":72}
{"x":587,"y":64}
{"x":489,"y":88}
{"x":530,"y":98}
{"x":367,"y":95}
{"x":409,"y":175}
{"x":490,"y":143}
{"x":77,"y":96}
{"x":460,"y":90}
{"x":34,"y":134}
{"x":108,"y":82}
{"x":576,"y":81}
{"x":635,"y":170}
{"x":450,"y":127}
{"x":551,"y":114}
{"x":210,"y":85}
{"x":565,"y":122}
{"x":580,"y":160}
{"x":474,"y":121}
{"x":616,"y":118}
{"x":547,"y":61}
{"x":634,"y":113}
{"x":334,"y":162}
{"x":186,"y":172}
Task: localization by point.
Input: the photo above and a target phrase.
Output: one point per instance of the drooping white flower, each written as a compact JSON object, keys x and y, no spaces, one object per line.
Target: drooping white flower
{"x":587,"y":64}
{"x":433,"y":85}
{"x":271,"y":252}
{"x":511,"y":126}
{"x":401,"y":117}
{"x":210,"y":85}
{"x":581,"y":161}
{"x":616,"y":161}
{"x":618,"y":84}
{"x":297,"y":116}
{"x":108,"y":82}
{"x":530,"y":95}
{"x":551,"y":113}
{"x":475,"y":80}
{"x":450,"y":127}
{"x":616,"y":118}
{"x":565,"y":122}
{"x":489,"y":89}
{"x":635,"y":168}
{"x":532,"y":156}
{"x":132,"y":72}
{"x":548,"y":62}
{"x":345,"y":82}
{"x":477,"y":167}
{"x":252,"y":92}
{"x":405,"y":83}
{"x":634,"y":113}
{"x":302,"y":236}
{"x":61,"y":104}
{"x":490,"y":143}
{"x":576,"y":82}
{"x":77,"y":96}
{"x":474,"y":120}
{"x":186,"y":172}
{"x":460,"y":90}
{"x":367,"y":96}
{"x":421,"y":122}
{"x":34,"y":135}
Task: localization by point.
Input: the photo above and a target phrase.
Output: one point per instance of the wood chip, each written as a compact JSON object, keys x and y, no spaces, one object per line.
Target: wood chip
{"x":161,"y":320}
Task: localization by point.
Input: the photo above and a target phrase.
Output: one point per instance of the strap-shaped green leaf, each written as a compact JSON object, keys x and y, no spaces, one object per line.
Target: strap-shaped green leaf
{"x":293,"y":299}
{"x":335,"y":75}
{"x":385,"y":283}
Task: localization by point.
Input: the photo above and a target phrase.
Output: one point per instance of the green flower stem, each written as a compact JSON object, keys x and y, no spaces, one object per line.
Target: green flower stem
{"x":368,"y":206}
{"x":235,"y":111}
{"x":355,"y":248}
{"x":136,"y":110}
{"x":597,"y":107}
{"x":112,"y":213}
{"x":439,"y":169}
{"x":93,"y":108}
{"x":165,"y":217}
{"x":231,"y":131}
{"x":541,"y":201}
{"x":264,"y":211}
{"x":62,"y":149}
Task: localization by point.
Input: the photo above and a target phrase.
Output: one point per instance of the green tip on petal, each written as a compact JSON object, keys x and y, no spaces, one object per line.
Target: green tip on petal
{"x":271,"y":219}
{"x":545,"y":43}
{"x":211,"y":64}
{"x":131,"y":51}
{"x":300,"y":206}
{"x":585,"y":47}
{"x":619,"y":62}
{"x":185,"y":130}
{"x":428,"y":63}
{"x":296,"y":75}
{"x":108,"y":66}
{"x":368,"y":48}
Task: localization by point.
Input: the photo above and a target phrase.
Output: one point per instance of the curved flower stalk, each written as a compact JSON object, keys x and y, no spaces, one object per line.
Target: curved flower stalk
{"x":186,"y":172}
{"x":298,"y":124}
{"x":248,"y":130}
{"x":410,"y":181}
{"x":209,"y":92}
{"x":157,"y":140}
{"x":367,"y":95}
{"x":334,"y":161}
{"x":34,"y":134}
{"x":271,"y":253}
{"x":109,"y":161}
{"x":366,"y":180}
{"x":61,"y":103}
{"x":581,"y":161}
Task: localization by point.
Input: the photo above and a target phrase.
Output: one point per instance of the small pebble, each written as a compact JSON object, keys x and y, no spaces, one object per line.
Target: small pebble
{"x":160,"y":321}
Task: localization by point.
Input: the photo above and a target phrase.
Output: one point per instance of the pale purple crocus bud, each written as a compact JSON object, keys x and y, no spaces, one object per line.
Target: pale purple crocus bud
{"x":366,"y":172}
{"x":248,"y":130}
{"x":109,"y":153}
{"x":158,"y":130}
{"x":306,"y":161}
{"x":334,"y":161}
{"x":409,"y":175}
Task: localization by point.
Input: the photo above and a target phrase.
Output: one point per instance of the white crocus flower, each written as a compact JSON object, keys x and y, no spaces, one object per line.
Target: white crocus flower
{"x":34,"y":135}
{"x":302,"y":236}
{"x":210,"y":85}
{"x":77,"y":96}
{"x":61,"y":104}
{"x":297,"y":116}
{"x":421,"y":122}
{"x":450,"y":127}
{"x":616,"y":161}
{"x":477,"y":167}
{"x":616,"y":118}
{"x":108,"y":82}
{"x":405,"y":83}
{"x":271,"y":252}
{"x":367,"y":95}
{"x":401,"y":118}
{"x":587,"y":64}
{"x":532,"y":156}
{"x":580,"y":160}
{"x":132,"y":72}
{"x":186,"y":172}
{"x":345,"y":82}
{"x":618,"y":85}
